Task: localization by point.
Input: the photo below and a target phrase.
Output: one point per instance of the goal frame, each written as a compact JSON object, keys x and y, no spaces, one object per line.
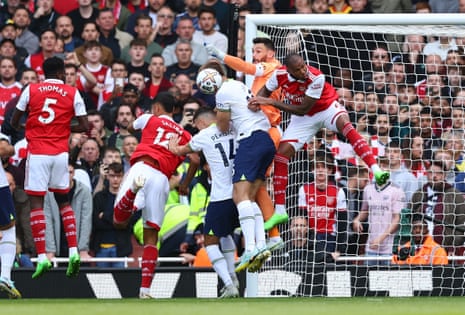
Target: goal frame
{"x":253,"y":21}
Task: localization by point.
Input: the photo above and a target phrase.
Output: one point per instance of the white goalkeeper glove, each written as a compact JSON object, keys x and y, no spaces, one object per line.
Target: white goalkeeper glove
{"x":215,"y":52}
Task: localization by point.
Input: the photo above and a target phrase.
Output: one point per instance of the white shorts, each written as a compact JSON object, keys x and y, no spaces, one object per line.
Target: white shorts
{"x":302,"y":129}
{"x":46,"y":172}
{"x":151,"y":199}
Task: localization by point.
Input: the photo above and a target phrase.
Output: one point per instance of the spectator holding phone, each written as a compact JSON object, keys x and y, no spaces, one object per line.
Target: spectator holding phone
{"x":189,"y":108}
{"x":110,"y":155}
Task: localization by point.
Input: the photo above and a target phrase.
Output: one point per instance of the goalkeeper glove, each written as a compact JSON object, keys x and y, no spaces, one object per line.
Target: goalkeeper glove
{"x":215,"y":52}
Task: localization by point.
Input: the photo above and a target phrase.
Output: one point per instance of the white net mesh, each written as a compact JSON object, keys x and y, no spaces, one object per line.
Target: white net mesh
{"x":406,"y":98}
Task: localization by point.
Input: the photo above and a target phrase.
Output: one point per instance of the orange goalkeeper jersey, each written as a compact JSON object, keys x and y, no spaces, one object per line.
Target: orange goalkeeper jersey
{"x":262,"y":71}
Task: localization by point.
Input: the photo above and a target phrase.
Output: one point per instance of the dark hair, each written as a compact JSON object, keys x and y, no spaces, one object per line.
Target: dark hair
{"x":138,"y":42}
{"x":157,"y":55}
{"x":440,"y":164}
{"x":291,"y":59}
{"x":353,"y":171}
{"x":116,"y":167}
{"x":48,"y":30}
{"x":143,"y":16}
{"x":166,"y":100}
{"x":203,"y":110}
{"x":265,"y":41}
{"x":53,"y":67}
{"x":91,"y":44}
{"x":9,"y":58}
{"x":118,"y":61}
{"x":133,"y":112}
{"x":205,"y":9}
{"x":322,"y":157}
{"x":94,"y":112}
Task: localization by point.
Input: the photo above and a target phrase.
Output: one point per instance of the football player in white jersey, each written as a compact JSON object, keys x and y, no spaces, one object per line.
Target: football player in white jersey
{"x":254,"y":154}
{"x":7,"y":225}
{"x":222,"y":218}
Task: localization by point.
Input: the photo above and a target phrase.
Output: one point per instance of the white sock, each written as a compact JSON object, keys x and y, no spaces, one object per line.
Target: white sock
{"x":72,"y":251}
{"x":144,"y":290}
{"x":275,"y":239}
{"x":41,"y":257}
{"x":219,"y":263}
{"x":280,"y":209}
{"x":8,"y":251}
{"x":247,"y":222}
{"x":260,"y":237}
{"x":375,"y":168}
{"x":228,"y":248}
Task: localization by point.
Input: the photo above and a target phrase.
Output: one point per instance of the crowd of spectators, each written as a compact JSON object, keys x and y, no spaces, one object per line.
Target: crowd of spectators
{"x":120,"y":54}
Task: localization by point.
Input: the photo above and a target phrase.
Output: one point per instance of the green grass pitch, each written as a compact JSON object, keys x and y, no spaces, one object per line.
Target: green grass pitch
{"x":259,"y":306}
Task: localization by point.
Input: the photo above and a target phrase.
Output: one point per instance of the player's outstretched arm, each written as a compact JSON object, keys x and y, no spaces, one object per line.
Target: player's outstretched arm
{"x":299,"y":110}
{"x":175,"y":148}
{"x":6,"y":149}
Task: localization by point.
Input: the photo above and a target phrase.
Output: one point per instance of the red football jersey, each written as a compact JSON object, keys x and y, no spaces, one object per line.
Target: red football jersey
{"x":321,"y":206}
{"x":156,"y":131}
{"x":100,"y":72}
{"x":293,"y":91}
{"x":37,"y":60}
{"x":6,"y":94}
{"x":51,"y":106}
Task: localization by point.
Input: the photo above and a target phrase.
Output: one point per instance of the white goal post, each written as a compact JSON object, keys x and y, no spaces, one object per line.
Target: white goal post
{"x":295,"y":33}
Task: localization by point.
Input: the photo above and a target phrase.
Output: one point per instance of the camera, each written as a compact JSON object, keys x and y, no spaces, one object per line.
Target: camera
{"x":404,"y":253}
{"x":189,"y":112}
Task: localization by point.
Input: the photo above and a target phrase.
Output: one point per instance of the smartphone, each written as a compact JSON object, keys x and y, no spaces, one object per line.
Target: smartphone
{"x":62,"y":56}
{"x":189,"y":112}
{"x":119,"y":82}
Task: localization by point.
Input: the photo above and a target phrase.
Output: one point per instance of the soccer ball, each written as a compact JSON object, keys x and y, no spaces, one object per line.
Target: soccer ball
{"x":209,"y":81}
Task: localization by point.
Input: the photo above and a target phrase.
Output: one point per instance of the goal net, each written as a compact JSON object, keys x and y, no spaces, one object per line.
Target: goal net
{"x":400,"y":77}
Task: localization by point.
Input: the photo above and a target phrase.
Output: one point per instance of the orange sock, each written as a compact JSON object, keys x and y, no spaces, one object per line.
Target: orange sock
{"x":266,"y":205}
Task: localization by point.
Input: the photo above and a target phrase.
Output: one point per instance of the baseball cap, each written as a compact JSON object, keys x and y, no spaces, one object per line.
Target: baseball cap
{"x":131,"y":88}
{"x":9,"y":22}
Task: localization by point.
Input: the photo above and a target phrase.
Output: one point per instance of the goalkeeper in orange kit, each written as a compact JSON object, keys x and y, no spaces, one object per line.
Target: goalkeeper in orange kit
{"x":264,"y":63}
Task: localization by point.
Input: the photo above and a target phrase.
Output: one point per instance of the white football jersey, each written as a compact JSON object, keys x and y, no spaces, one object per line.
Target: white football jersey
{"x":234,"y":96}
{"x":219,"y":149}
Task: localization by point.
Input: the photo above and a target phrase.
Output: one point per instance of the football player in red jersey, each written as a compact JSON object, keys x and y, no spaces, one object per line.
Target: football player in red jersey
{"x":313,"y":103}
{"x":51,"y":106}
{"x":146,"y":185}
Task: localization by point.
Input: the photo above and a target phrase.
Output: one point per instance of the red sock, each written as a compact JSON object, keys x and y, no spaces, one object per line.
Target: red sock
{"x":149,"y":260}
{"x":123,"y":209}
{"x":38,"y":229}
{"x":359,"y":144}
{"x":280,"y":178}
{"x":69,"y":225}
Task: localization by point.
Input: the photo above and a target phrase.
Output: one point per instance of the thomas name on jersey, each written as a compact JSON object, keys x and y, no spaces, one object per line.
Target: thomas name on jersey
{"x":52,"y":88}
